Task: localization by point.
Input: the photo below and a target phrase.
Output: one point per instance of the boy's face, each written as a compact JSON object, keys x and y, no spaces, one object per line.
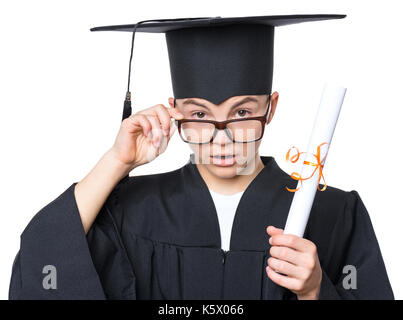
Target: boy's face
{"x":222,"y":157}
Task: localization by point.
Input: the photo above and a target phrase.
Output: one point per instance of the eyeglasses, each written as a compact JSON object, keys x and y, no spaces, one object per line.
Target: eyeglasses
{"x":243,"y":130}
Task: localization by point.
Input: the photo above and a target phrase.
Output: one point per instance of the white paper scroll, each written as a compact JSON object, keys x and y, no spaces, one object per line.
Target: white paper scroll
{"x":323,"y":129}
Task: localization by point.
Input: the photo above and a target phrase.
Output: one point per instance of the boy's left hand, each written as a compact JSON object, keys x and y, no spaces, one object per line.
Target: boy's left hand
{"x":298,"y":260}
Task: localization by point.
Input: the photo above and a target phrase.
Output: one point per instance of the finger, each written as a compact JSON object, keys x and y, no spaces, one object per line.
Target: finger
{"x":284,"y":281}
{"x":165,"y":140}
{"x":164,"y":117}
{"x":134,"y":121}
{"x":287,"y":254}
{"x":271,"y":230}
{"x":156,"y":130}
{"x":291,"y":241}
{"x":175,"y":113}
{"x":285,"y":268}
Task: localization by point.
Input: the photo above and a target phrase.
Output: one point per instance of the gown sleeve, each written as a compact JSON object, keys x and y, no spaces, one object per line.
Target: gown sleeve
{"x":353,"y":243}
{"x":92,"y":266}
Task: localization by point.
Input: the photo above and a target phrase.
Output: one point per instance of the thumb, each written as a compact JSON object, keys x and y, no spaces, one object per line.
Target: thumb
{"x":272,"y":231}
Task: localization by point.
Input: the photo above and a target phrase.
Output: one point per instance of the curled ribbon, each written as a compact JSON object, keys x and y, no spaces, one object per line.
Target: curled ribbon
{"x":318,"y":165}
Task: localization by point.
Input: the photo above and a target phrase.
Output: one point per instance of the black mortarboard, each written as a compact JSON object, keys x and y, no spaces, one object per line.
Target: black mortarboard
{"x":216,"y":58}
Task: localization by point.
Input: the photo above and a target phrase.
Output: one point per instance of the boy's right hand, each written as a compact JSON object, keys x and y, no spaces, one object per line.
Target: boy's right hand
{"x":145,"y":135}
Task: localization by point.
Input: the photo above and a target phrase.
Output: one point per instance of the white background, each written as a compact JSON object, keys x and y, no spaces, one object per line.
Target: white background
{"x":62,"y":89}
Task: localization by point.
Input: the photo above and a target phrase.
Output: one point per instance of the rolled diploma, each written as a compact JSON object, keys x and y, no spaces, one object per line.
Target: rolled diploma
{"x":323,"y":129}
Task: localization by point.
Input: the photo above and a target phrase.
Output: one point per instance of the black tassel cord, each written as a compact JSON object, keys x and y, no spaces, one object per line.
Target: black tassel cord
{"x":127,"y":106}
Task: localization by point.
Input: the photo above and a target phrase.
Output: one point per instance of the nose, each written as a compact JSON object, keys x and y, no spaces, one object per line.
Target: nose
{"x":221,"y":138}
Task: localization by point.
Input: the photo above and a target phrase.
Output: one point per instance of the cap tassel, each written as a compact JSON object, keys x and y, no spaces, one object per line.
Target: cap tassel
{"x":127,"y":106}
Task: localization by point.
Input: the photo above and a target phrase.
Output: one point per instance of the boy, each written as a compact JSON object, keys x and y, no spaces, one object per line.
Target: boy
{"x":201,"y":231}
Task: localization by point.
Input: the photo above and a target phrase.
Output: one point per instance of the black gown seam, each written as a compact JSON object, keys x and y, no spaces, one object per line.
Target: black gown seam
{"x":264,"y":281}
{"x":155,"y":261}
{"x":182,"y":246}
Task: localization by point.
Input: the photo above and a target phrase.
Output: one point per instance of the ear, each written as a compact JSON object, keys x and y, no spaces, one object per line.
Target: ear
{"x":273,"y":106}
{"x":171,"y":101}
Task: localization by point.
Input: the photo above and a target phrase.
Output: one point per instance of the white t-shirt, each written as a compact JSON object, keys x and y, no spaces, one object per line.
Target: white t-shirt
{"x":226,"y":207}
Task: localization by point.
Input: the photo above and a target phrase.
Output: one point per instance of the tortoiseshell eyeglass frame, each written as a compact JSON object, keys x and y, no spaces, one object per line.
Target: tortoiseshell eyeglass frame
{"x":222,"y":125}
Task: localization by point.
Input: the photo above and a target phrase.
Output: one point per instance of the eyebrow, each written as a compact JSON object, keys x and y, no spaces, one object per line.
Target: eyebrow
{"x":244,"y":100}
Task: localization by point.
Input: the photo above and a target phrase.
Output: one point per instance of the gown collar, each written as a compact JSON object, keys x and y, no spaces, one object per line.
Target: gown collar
{"x":264,"y":202}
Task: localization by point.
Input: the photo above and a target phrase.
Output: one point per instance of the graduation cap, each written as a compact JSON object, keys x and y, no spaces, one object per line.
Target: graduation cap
{"x":215,"y":58}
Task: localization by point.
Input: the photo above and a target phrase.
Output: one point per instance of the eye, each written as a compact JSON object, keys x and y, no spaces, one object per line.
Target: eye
{"x":242,"y":113}
{"x":199,"y":114}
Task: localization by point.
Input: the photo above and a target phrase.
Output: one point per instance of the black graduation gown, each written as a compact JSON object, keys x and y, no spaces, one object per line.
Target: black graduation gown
{"x":157,"y":237}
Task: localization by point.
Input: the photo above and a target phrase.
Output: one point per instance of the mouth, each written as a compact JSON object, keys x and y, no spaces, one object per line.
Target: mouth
{"x":223,"y":160}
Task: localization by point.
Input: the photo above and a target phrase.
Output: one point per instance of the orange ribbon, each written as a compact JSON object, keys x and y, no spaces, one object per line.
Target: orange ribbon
{"x":318,"y":165}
